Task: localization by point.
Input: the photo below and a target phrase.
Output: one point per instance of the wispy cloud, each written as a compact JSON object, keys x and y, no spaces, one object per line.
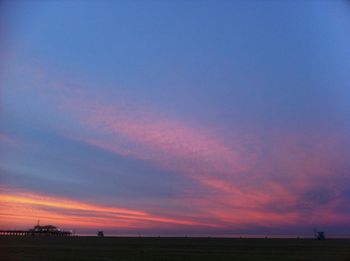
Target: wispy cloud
{"x":245,"y":184}
{"x":28,"y":206}
{"x":277,"y":177}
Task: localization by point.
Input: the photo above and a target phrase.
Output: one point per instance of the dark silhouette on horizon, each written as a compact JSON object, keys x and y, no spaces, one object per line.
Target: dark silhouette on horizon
{"x":48,"y":230}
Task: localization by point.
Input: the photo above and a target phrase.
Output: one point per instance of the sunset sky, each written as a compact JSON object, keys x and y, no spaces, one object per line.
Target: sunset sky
{"x":175,"y":117}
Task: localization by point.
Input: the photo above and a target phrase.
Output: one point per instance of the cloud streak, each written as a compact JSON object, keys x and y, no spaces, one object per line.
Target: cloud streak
{"x":246,"y":183}
{"x":29,"y":206}
{"x":275,"y":177}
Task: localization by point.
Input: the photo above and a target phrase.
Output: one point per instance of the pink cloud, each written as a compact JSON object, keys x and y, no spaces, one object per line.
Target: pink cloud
{"x":148,"y":135}
{"x":244,"y":186}
{"x":294,"y":163}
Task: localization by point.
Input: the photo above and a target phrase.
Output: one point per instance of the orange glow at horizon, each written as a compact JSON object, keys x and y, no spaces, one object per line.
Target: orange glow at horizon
{"x":21,"y":209}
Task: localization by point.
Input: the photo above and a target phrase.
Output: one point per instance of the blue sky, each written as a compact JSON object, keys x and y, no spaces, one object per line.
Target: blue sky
{"x":206,"y":116}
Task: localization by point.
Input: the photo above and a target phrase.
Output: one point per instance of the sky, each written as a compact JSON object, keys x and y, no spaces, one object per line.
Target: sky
{"x":175,"y":117}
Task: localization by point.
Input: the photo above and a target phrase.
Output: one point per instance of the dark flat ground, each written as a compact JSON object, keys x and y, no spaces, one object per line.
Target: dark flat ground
{"x":113,"y":248}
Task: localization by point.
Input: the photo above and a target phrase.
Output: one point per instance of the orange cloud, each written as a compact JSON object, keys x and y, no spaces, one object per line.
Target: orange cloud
{"x":23,"y":207}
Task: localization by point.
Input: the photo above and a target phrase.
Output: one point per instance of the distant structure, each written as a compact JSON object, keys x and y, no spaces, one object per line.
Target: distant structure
{"x":100,"y":234}
{"x":38,"y":230}
{"x":319,"y":235}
